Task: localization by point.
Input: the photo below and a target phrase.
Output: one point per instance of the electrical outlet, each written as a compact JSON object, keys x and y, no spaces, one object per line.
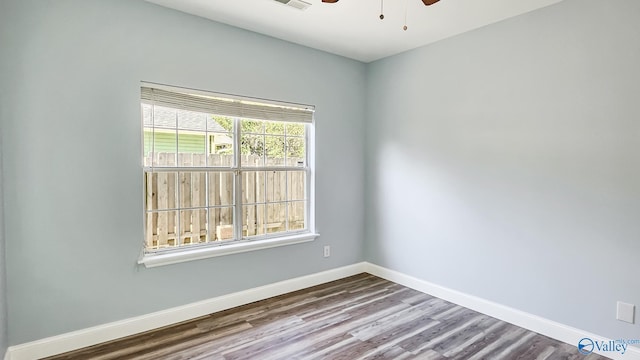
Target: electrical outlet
{"x":626,"y":312}
{"x":327,"y":250}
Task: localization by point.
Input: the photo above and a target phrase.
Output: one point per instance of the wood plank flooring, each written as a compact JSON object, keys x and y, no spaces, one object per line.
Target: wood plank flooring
{"x":360,"y":317}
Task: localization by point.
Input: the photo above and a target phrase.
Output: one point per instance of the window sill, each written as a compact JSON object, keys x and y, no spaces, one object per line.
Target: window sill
{"x":153,"y":260}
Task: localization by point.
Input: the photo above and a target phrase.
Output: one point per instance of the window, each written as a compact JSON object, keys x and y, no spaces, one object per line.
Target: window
{"x":223,"y":170}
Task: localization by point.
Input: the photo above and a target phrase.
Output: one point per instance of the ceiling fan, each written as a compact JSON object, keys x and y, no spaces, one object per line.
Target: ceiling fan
{"x":425,"y":2}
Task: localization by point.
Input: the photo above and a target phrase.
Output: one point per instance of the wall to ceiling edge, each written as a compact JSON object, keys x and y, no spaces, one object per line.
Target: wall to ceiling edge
{"x":504,"y":163}
{"x":71,"y":137}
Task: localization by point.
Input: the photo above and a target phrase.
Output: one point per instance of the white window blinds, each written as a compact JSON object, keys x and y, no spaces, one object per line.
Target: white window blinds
{"x":226,"y":105}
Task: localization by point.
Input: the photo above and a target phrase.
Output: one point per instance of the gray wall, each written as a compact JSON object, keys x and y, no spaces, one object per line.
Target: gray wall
{"x":4,"y":337}
{"x":72,"y":139}
{"x":505,"y":163}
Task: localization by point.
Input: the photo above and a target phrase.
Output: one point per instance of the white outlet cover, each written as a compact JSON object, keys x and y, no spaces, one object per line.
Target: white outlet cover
{"x":626,"y":312}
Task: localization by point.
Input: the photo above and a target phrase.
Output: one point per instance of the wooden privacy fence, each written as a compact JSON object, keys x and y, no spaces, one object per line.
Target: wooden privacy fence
{"x":189,"y":207}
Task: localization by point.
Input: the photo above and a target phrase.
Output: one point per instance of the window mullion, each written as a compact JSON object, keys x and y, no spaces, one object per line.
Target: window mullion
{"x":287,"y":201}
{"x":309,"y":213}
{"x":237,"y":176}
{"x":207,"y":179}
{"x":207,"y":195}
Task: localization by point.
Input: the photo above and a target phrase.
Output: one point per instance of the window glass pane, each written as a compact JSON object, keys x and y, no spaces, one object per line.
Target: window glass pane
{"x":217,"y":123}
{"x":274,"y":127}
{"x":192,"y":138}
{"x":161,"y":229}
{"x":252,"y":149}
{"x":296,"y":151}
{"x":192,"y":189}
{"x":295,"y":129}
{"x":221,"y":223}
{"x":148,"y":146}
{"x":275,"y":150}
{"x":165,"y":118}
{"x":192,"y":149}
{"x":276,"y":217}
{"x":253,"y":220}
{"x":276,"y":186}
{"x":220,"y":188}
{"x":220,"y":160}
{"x":191,"y":120}
{"x":193,"y":226}
{"x":296,"y":185}
{"x":147,"y":115}
{"x":253,"y":187}
{"x":160,"y":188}
{"x":220,"y":149}
{"x":252,"y":126}
{"x":296,"y":216}
{"x":151,"y":230}
{"x":165,"y":144}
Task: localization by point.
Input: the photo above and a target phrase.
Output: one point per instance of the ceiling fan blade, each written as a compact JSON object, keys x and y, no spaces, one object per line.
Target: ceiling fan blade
{"x":426,"y":2}
{"x":330,"y":1}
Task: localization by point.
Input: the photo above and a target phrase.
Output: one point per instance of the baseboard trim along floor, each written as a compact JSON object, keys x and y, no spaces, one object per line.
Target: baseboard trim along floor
{"x":111,"y":331}
{"x":98,"y":334}
{"x":552,"y":329}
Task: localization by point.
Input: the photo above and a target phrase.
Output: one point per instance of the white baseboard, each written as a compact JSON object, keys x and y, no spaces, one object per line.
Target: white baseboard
{"x":107,"y":332}
{"x":525,"y":320}
{"x":87,"y":337}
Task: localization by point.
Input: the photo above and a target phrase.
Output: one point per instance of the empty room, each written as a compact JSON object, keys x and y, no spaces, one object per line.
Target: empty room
{"x":319,"y":179}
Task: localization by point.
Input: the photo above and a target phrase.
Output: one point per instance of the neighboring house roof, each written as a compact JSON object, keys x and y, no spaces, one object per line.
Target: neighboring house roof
{"x":187,"y":120}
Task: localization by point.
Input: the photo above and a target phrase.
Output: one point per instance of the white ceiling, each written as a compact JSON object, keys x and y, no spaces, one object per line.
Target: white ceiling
{"x":352,"y":28}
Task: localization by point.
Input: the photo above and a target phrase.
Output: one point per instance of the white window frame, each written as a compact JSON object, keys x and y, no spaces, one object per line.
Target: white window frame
{"x":153,"y":258}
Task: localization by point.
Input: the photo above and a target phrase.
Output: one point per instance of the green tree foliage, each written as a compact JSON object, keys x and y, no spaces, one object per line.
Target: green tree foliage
{"x":276,"y":138}
{"x":225,"y":122}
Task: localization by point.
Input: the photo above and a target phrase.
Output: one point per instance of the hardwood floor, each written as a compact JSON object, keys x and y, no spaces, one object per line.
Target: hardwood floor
{"x":360,"y":317}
